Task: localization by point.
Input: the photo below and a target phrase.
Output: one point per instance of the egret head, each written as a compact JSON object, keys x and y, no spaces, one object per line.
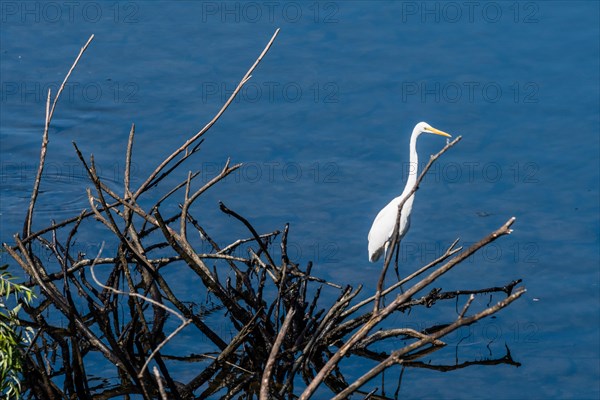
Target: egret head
{"x":424,"y":127}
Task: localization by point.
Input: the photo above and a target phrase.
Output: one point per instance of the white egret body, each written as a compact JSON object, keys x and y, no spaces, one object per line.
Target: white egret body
{"x":383,"y":226}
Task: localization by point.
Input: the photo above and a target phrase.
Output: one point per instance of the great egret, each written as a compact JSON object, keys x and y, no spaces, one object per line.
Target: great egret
{"x":383,"y":226}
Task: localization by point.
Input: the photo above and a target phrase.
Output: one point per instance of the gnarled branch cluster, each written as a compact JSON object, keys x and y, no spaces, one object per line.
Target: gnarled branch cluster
{"x":120,"y":308}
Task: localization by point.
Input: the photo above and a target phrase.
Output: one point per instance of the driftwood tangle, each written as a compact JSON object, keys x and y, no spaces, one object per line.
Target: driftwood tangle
{"x":284,"y":343}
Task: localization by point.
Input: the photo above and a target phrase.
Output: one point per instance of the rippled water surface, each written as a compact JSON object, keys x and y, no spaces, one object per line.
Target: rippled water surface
{"x":322,"y":129}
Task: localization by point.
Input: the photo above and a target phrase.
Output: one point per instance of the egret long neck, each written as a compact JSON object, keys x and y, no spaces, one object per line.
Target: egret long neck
{"x":413,"y":168}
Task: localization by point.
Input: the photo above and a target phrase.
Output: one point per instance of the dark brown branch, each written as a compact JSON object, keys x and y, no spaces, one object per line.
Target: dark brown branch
{"x":506,"y":359}
{"x":396,"y":356}
{"x":383,"y":313}
{"x":250,"y":228}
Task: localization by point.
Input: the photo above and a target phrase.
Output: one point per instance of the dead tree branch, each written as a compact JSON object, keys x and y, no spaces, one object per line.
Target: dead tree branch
{"x":271,"y":324}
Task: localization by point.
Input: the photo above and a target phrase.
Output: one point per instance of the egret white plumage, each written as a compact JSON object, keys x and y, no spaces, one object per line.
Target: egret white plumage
{"x":384,"y":223}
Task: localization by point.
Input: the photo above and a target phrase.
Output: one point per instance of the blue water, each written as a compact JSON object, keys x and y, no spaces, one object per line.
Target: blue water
{"x":323,"y":129}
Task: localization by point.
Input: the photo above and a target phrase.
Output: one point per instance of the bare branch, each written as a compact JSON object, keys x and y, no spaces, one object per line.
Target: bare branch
{"x":381,"y":314}
{"x":450,"y":251}
{"x":266,"y":378}
{"x":258,"y":353}
{"x":184,"y":321}
{"x":191,"y":140}
{"x":396,"y":356}
{"x":49,"y":114}
{"x":466,"y":307}
{"x":161,"y":388}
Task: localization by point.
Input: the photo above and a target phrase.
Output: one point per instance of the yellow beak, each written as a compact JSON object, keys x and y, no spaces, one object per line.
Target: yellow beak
{"x":437,"y":132}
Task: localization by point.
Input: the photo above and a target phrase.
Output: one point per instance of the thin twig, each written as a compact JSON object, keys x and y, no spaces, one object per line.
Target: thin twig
{"x":379,"y":335}
{"x":49,"y":115}
{"x":191,"y":140}
{"x":190,"y":199}
{"x":127,"y":177}
{"x":262,"y":245}
{"x":466,"y":307}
